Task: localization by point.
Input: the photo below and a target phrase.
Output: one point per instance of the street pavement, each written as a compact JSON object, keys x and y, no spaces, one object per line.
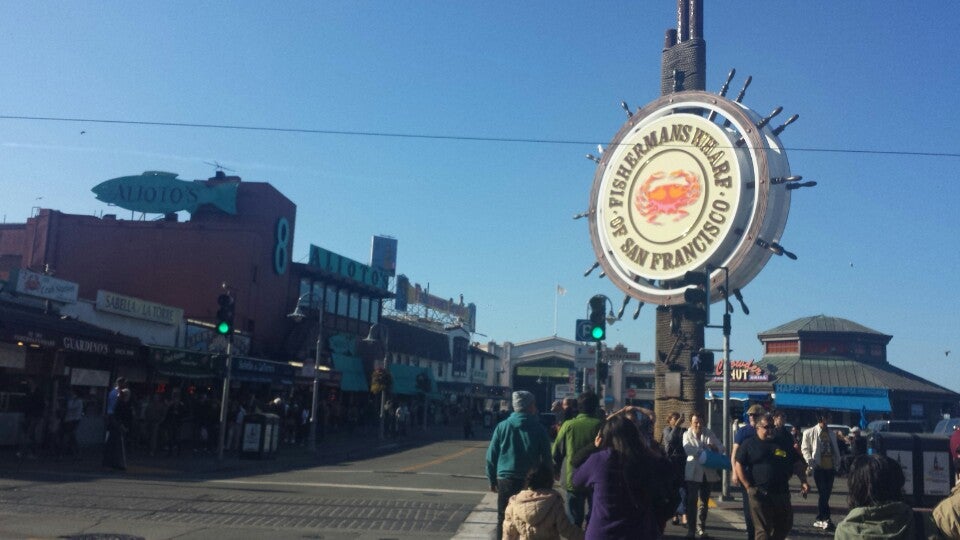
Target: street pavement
{"x":725,"y":518}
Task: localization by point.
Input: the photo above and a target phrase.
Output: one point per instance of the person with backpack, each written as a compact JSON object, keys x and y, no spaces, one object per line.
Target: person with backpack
{"x":622,"y":478}
{"x":696,"y":441}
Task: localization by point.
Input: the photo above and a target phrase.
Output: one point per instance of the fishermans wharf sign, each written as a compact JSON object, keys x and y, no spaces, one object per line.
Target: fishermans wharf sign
{"x":684,"y":184}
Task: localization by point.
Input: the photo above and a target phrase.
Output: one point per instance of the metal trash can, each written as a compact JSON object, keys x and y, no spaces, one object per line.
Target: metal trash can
{"x":925,"y":458}
{"x":261,"y":432}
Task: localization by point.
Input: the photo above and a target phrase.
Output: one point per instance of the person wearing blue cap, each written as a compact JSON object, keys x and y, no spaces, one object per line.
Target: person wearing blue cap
{"x":519,"y":443}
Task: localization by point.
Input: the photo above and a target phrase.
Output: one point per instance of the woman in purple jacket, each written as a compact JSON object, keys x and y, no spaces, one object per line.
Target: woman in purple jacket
{"x":620,"y":507}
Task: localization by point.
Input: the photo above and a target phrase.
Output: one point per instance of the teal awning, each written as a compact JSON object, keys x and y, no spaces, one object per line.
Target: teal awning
{"x":354,"y":379}
{"x":405,"y":379}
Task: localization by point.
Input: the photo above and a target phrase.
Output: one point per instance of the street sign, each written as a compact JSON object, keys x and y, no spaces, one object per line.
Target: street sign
{"x":583,"y":330}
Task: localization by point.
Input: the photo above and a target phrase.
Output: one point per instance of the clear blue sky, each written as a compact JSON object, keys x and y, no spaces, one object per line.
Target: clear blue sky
{"x":877,"y":239}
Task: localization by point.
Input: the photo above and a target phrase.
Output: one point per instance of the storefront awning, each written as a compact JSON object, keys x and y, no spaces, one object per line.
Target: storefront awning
{"x":405,"y":379}
{"x":262,"y":371}
{"x":354,"y":379}
{"x":836,"y":398}
{"x":171,"y":362}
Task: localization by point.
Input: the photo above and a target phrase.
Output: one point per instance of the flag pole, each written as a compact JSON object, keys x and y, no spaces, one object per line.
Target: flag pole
{"x":556,"y":301}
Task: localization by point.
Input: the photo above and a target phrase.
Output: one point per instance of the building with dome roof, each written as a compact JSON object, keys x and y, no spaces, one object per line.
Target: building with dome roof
{"x":823,"y":362}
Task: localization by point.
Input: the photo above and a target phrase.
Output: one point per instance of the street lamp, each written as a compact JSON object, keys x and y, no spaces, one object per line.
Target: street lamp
{"x":298,"y":315}
{"x":381,"y":334}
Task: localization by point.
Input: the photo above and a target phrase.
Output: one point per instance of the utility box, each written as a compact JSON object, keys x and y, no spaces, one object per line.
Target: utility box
{"x":261,"y":432}
{"x":928,"y":470}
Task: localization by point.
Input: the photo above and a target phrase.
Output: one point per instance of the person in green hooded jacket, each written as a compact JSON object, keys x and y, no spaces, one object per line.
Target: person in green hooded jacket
{"x":575,"y":434}
{"x":877,"y":510}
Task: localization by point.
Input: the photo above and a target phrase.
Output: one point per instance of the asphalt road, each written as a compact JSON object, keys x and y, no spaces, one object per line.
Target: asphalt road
{"x":355,"y":487}
{"x":394,"y":490}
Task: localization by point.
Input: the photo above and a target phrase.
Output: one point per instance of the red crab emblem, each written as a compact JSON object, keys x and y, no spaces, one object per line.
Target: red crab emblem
{"x":658,"y":195}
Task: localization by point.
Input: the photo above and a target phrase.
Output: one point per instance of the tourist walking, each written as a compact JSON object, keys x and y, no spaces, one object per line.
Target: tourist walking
{"x":741,"y":435}
{"x":696,"y":442}
{"x":764,"y":464}
{"x":617,"y":474}
{"x":519,"y":443}
{"x":822,"y":454}
{"x":672,"y":443}
{"x":877,"y":510}
{"x":575,"y":434}
{"x":537,"y":513}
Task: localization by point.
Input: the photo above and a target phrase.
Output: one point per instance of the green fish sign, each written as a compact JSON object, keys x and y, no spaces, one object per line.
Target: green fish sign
{"x":157,"y":192}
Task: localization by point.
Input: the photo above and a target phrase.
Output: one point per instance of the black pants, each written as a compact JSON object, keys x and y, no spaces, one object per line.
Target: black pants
{"x":824,"y":479}
{"x":506,"y":488}
{"x":114,"y":452}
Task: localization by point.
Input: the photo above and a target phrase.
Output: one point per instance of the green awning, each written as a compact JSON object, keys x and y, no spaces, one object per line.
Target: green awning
{"x":354,"y":379}
{"x":172,"y":362}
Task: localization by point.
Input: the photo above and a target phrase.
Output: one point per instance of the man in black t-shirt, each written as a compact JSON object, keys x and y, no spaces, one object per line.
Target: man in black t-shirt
{"x":764,"y":465}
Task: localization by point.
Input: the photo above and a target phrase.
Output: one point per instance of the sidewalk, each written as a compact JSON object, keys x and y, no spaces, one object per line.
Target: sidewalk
{"x":334,"y":448}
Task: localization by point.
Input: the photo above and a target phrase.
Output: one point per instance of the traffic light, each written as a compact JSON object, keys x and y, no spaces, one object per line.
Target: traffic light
{"x":697,"y":298}
{"x":598,"y":319}
{"x":225,"y":314}
{"x":703,"y":361}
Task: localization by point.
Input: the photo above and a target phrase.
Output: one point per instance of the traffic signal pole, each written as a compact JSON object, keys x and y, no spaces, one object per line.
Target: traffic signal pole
{"x":597,"y":368}
{"x":225,"y":397}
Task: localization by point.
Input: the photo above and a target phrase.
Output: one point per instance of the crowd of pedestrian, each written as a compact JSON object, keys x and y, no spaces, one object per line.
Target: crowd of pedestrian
{"x":618,"y":482}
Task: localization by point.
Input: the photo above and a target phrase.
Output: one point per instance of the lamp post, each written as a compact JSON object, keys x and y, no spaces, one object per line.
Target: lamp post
{"x":298,"y":315}
{"x":374,"y":336}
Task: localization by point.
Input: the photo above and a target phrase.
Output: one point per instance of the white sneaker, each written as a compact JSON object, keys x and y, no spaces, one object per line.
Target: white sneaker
{"x":819,"y":524}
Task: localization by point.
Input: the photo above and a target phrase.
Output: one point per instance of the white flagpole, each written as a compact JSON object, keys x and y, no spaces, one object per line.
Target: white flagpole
{"x":556,"y":301}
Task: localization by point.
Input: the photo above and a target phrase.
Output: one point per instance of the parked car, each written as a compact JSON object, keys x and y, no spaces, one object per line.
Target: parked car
{"x":947,"y":426}
{"x":902,"y":426}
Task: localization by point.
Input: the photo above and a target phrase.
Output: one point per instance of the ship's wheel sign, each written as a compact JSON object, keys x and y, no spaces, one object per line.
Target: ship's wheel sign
{"x":691,"y":180}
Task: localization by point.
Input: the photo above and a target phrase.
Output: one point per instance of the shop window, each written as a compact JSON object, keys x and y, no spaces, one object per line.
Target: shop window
{"x":374,"y":312}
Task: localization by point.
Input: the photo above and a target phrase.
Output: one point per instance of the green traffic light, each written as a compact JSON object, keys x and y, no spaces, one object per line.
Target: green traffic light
{"x":223,"y":328}
{"x":597,"y":333}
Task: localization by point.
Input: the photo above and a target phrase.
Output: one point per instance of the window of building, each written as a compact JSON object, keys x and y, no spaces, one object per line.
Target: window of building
{"x":365,"y":309}
{"x":375,"y":311}
{"x":330,"y":305}
{"x":343,"y":302}
{"x":782,"y":347}
{"x":316,"y":295}
{"x":354,"y":305}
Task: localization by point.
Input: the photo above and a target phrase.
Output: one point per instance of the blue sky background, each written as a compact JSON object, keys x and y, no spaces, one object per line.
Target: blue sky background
{"x":877,"y":239}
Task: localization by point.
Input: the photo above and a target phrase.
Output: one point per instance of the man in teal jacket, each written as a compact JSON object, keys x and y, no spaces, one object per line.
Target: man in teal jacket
{"x":519,"y":444}
{"x":575,"y":434}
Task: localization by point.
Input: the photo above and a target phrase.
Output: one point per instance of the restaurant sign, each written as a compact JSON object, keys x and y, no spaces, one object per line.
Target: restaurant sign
{"x":742,"y":371}
{"x":138,"y":309}
{"x":44,"y":286}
